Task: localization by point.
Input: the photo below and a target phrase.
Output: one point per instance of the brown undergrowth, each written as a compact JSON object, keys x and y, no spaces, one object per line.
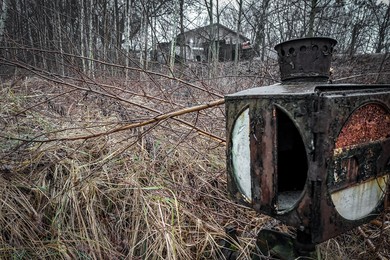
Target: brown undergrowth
{"x":71,"y":188}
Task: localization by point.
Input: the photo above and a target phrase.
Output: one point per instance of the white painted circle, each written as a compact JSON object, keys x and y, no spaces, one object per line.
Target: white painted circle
{"x":358,"y":201}
{"x":241,"y":154}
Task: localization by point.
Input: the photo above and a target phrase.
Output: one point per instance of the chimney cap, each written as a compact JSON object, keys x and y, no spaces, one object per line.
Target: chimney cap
{"x":305,"y":59}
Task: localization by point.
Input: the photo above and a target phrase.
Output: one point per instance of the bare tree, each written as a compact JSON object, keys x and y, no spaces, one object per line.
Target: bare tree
{"x":381,"y":12}
{"x":3,"y":17}
{"x":238,"y":31}
{"x":182,"y":42}
{"x":127,"y":33}
{"x":118,"y":30}
{"x":82,"y":35}
{"x":173,"y":38}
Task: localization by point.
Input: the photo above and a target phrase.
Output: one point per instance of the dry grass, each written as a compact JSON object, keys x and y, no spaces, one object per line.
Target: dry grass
{"x":155,"y":192}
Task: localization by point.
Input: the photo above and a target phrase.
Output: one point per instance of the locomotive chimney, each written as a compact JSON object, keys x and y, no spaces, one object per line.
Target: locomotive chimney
{"x":305,"y":59}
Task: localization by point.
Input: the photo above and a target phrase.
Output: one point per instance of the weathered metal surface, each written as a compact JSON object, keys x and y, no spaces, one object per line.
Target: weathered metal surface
{"x":305,"y":59}
{"x":319,"y":113}
{"x":319,"y":154}
{"x":355,"y":191}
{"x":368,"y":123}
{"x":356,"y":202}
{"x":348,"y":166}
{"x":267,"y":169}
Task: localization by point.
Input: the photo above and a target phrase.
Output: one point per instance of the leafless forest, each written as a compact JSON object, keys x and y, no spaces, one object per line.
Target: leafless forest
{"x":112,"y":123}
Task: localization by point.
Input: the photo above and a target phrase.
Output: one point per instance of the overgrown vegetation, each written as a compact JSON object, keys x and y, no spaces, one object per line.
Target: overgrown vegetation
{"x":107,"y":154}
{"x":102,"y":169}
{"x":154,"y":191}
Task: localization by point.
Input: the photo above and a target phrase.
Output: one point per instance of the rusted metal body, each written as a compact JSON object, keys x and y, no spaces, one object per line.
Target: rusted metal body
{"x":301,"y":159}
{"x":305,"y":60}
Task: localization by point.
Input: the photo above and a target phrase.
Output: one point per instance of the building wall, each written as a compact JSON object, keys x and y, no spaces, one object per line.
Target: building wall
{"x":198,"y":41}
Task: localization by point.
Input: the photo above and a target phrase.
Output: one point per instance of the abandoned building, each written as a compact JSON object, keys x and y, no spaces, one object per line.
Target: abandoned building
{"x":196,"y":45}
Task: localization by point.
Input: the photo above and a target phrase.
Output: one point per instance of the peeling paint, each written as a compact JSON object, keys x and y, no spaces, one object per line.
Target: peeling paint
{"x":358,"y":201}
{"x":346,"y":146}
{"x":241,"y":154}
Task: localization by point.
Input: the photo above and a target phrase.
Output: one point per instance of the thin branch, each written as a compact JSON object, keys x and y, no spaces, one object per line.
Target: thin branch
{"x":144,"y":123}
{"x":148,"y":72}
{"x":162,"y":116}
{"x":381,"y":66}
{"x":358,"y":76}
{"x":370,"y":244}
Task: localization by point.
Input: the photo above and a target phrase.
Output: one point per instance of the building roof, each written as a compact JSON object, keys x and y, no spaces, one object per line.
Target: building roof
{"x":204,"y":32}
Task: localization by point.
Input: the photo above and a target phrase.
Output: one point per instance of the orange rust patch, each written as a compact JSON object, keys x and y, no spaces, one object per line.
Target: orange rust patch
{"x":367,"y":124}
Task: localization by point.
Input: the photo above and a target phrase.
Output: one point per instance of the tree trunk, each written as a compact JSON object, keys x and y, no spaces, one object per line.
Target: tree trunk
{"x":262,"y":26}
{"x":127,"y":32}
{"x":118,"y":34}
{"x":82,"y":36}
{"x":383,"y":28}
{"x":146,"y":42}
{"x":209,"y":6}
{"x":355,"y":33}
{"x":91,"y":68}
{"x":183,"y":53}
{"x":144,"y":39}
{"x":216,"y":45}
{"x":173,"y":41}
{"x":313,"y":12}
{"x":3,"y":18}
{"x":237,"y":50}
{"x":104,"y":35}
{"x":59,"y":36}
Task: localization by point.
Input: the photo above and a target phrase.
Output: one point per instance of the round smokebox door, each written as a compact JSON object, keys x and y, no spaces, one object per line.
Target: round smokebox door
{"x":358,"y":179}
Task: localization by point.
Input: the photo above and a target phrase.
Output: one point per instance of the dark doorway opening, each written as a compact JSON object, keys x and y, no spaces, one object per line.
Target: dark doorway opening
{"x":233,"y":54}
{"x":291,"y":162}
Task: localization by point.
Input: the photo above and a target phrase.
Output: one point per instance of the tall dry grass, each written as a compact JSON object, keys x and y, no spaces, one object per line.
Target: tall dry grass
{"x":153,"y":192}
{"x":72,"y":188}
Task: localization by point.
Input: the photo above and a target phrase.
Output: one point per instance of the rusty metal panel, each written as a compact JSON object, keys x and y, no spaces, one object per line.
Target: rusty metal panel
{"x":348,"y":164}
{"x":265,"y":141}
{"x":305,"y":59}
{"x":354,"y":149}
{"x":234,"y":109}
